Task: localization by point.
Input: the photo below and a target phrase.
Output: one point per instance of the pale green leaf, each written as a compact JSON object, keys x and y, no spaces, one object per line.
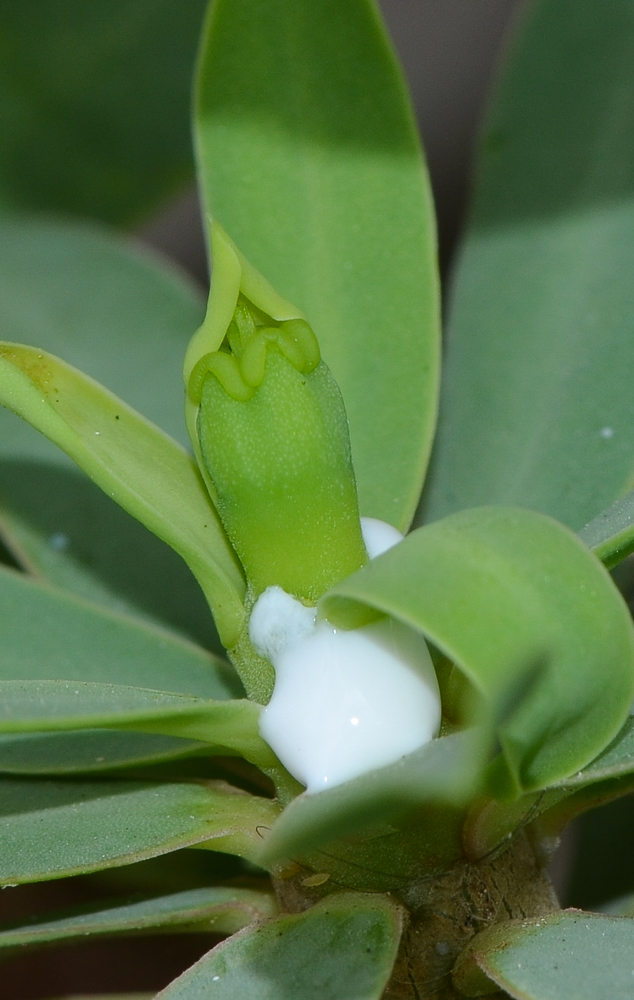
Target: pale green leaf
{"x":341,"y":949}
{"x":500,"y":591}
{"x":220,"y":909}
{"x":134,"y":462}
{"x":46,"y":634}
{"x":537,"y":406}
{"x":52,"y":829}
{"x":563,"y":956}
{"x":309,"y":158}
{"x":94,"y":98}
{"x":115,"y":313}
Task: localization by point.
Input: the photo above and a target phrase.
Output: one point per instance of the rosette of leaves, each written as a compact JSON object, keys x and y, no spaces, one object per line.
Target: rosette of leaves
{"x":126,"y":733}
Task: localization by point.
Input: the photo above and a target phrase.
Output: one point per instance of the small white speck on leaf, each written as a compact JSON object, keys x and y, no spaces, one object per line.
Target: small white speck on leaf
{"x":606,"y":432}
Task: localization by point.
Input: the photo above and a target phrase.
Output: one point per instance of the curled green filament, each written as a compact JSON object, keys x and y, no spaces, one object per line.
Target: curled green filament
{"x":241,"y":371}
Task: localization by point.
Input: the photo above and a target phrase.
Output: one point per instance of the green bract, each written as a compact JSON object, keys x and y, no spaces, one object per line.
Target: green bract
{"x":270,"y":429}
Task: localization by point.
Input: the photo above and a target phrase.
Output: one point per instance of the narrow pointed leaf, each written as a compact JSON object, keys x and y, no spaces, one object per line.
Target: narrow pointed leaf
{"x":223,"y":910}
{"x":95,"y":103}
{"x":616,"y":761}
{"x":564,"y":956}
{"x":134,"y":462}
{"x":49,"y":635}
{"x":49,"y":706}
{"x":53,"y":829}
{"x":537,"y":405}
{"x":610,"y":535}
{"x":87,"y":751}
{"x":530,"y":594}
{"x":117,"y":314}
{"x":446,"y":770}
{"x":341,"y":949}
{"x":326,"y":194}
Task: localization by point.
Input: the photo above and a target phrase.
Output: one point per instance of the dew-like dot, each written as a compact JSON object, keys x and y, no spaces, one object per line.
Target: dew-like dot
{"x":606,"y":432}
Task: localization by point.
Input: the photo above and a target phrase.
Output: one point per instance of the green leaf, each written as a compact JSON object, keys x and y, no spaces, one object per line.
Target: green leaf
{"x":529,"y":595}
{"x":223,"y":910}
{"x":309,"y":158}
{"x":41,"y":706}
{"x":92,"y":750}
{"x":49,"y":635}
{"x":341,"y":949}
{"x":564,"y":956}
{"x":52,"y":829}
{"x":101,"y":305}
{"x":134,"y":462}
{"x":611,"y":534}
{"x":95,"y":99}
{"x":616,"y":761}
{"x":446,"y":770}
{"x":537,"y":404}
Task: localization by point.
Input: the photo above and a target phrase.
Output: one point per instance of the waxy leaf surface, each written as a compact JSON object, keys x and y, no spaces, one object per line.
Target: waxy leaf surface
{"x":87,"y":751}
{"x":148,"y":473}
{"x":508,"y":594}
{"x":223,"y":910}
{"x":341,"y":949}
{"x":51,"y":829}
{"x":564,"y":956}
{"x":537,"y":406}
{"x":125,"y":319}
{"x":309,"y":158}
{"x":94,"y":99}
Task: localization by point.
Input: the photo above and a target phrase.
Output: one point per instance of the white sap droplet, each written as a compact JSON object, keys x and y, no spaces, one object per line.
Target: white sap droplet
{"x":606,"y":432}
{"x":344,"y":702}
{"x":379,"y":536}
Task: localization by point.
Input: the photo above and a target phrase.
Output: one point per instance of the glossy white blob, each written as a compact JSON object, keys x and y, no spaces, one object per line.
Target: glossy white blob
{"x":378,"y":536}
{"x":349,"y":701}
{"x":344,"y":701}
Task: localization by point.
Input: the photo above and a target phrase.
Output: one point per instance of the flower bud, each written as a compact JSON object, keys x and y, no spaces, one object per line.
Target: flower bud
{"x":271,"y":435}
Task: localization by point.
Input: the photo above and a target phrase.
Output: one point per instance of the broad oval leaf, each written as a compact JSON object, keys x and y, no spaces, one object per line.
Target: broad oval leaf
{"x":501,"y":590}
{"x":326,"y":194}
{"x":223,"y":910}
{"x":562,"y":956}
{"x":537,"y":406}
{"x":52,"y":829}
{"x":134,"y":462}
{"x":341,"y":949}
{"x":113,"y":312}
{"x":94,"y":101}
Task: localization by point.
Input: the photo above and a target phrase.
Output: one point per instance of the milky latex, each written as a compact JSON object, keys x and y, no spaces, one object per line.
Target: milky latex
{"x":345,"y":701}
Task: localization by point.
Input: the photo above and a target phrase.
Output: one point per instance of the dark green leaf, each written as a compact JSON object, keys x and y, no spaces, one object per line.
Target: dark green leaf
{"x":500,"y":590}
{"x":446,"y":770}
{"x":94,"y":100}
{"x":48,"y":635}
{"x":537,"y":405}
{"x":51,"y":829}
{"x":119,"y":316}
{"x":564,"y":956}
{"x":223,"y":910}
{"x":341,"y":949}
{"x":309,"y":158}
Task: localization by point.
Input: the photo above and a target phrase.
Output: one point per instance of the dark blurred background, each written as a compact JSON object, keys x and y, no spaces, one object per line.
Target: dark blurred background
{"x":449,"y":50}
